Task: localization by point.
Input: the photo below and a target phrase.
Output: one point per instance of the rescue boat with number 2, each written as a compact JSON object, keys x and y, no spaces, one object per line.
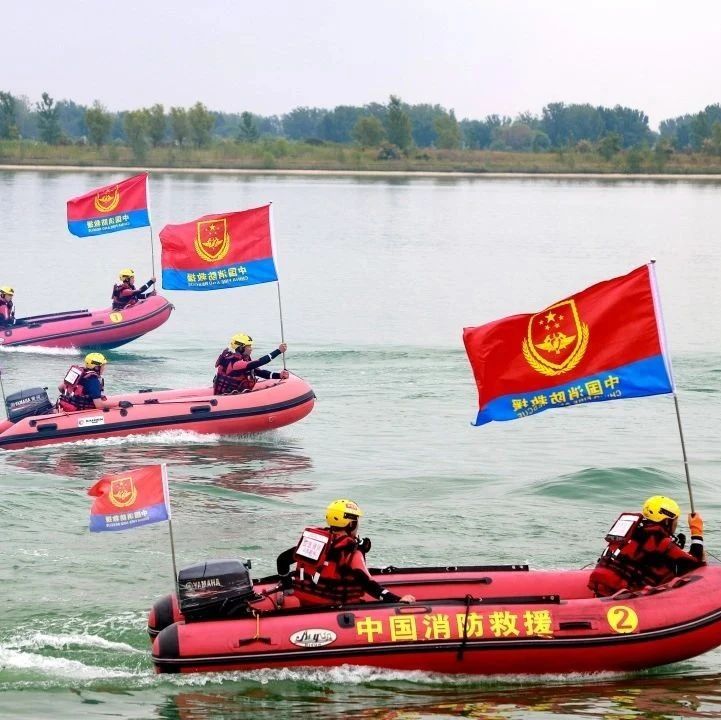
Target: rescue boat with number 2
{"x":271,"y":404}
{"x":97,"y":329}
{"x":471,"y":620}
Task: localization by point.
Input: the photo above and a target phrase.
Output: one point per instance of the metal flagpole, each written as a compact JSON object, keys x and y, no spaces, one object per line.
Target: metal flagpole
{"x":166,"y":492}
{"x":669,"y":369}
{"x":277,"y":282}
{"x":150,"y":223}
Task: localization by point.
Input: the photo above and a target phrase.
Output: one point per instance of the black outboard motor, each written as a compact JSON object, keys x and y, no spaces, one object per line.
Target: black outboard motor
{"x":27,"y":403}
{"x":215,"y":589}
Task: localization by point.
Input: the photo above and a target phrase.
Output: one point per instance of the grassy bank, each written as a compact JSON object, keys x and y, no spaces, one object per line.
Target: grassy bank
{"x":279,"y":154}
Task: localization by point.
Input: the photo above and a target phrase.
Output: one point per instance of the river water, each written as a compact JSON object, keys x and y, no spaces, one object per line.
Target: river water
{"x":378,"y":278}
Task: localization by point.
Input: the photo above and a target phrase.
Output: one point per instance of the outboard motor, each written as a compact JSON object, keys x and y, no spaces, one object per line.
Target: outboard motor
{"x":215,"y":589}
{"x":27,"y":403}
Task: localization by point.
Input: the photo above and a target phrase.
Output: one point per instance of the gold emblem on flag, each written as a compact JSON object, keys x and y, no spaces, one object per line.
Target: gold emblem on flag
{"x":212,"y":241}
{"x":557,"y":339}
{"x":107,"y":200}
{"x":123,"y":492}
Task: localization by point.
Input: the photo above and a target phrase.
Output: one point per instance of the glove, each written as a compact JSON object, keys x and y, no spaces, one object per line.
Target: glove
{"x":282,"y":348}
{"x":364,"y":545}
{"x":695,"y":524}
{"x":284,"y":374}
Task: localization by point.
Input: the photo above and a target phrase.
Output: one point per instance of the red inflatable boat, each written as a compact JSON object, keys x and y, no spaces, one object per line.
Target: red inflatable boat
{"x":271,"y":404}
{"x":470,"y":620}
{"x":97,"y":329}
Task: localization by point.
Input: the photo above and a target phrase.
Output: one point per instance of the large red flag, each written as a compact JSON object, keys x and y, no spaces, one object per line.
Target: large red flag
{"x":603,"y":343}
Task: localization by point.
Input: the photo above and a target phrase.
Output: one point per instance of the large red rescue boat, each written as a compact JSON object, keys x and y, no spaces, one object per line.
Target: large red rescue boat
{"x":474,"y":620}
{"x":271,"y":404}
{"x":97,"y":329}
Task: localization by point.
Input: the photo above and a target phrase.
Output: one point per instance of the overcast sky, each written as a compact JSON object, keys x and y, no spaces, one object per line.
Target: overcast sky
{"x":476,"y":56}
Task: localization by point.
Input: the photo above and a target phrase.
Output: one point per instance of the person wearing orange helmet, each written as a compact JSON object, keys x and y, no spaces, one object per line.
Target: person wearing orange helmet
{"x":237,"y":372}
{"x":124,"y":293}
{"x":643,"y":549}
{"x":330,"y":567}
{"x":7,"y":309}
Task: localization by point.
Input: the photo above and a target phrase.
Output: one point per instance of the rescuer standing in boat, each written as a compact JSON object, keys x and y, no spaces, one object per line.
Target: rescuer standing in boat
{"x":645,"y":551}
{"x":330,"y":562}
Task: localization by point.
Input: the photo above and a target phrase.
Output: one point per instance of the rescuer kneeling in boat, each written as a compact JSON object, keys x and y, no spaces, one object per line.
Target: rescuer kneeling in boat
{"x":330,"y":562}
{"x":124,"y":293}
{"x":237,"y":372}
{"x":7,"y":310}
{"x":83,"y":387}
{"x":643,"y":550}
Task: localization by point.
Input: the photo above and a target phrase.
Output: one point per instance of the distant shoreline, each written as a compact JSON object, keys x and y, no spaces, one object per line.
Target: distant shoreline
{"x":367,"y":173}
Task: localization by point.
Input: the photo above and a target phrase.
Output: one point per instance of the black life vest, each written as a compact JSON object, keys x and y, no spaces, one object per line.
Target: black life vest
{"x":73,"y":396}
{"x":120,"y":301}
{"x":228,"y":381}
{"x":638,"y":559}
{"x":323,"y":572}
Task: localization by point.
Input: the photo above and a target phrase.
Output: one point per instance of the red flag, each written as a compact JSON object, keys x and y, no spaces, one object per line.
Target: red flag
{"x":118,"y":206}
{"x":129,"y":499}
{"x":603,"y":343}
{"x":219,"y":251}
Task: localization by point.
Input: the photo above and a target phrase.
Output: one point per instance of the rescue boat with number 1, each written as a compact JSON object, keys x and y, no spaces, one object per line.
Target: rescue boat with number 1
{"x":97,"y":329}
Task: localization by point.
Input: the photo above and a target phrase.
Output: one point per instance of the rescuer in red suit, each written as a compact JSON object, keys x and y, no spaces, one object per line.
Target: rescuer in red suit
{"x":7,"y":311}
{"x":330,"y":562}
{"x":649,"y":554}
{"x":124,"y":293}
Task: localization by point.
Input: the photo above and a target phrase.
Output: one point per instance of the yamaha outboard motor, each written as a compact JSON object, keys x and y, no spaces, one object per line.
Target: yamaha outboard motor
{"x":27,"y":403}
{"x":215,"y":589}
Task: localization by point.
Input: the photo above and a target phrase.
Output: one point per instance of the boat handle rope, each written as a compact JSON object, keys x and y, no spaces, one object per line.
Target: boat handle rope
{"x":256,"y":637}
{"x":459,"y":655}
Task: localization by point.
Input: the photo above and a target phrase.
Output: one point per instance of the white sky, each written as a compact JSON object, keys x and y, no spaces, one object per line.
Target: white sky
{"x":476,"y":56}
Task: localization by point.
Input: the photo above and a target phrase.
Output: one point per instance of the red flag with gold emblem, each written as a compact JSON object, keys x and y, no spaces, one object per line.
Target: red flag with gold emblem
{"x":603,"y":343}
{"x":129,"y":499}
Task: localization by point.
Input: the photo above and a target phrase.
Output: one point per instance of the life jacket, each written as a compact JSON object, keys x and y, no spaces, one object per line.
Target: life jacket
{"x":228,"y":381}
{"x":322,"y":574}
{"x":636,"y":559}
{"x":119,"y":300}
{"x":7,"y":314}
{"x":73,"y":396}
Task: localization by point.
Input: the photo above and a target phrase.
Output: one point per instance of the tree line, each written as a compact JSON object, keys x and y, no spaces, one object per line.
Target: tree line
{"x":394,"y":127}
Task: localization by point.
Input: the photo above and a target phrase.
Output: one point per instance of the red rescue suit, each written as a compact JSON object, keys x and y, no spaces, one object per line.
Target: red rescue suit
{"x":7,"y":312}
{"x":125,"y":295}
{"x":326,"y":566}
{"x":231,"y":374}
{"x":647,"y":556}
{"x":74,"y":395}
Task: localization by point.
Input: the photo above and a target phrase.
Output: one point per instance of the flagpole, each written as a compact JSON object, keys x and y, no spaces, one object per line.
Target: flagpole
{"x":277,"y":282}
{"x":166,"y":491}
{"x":669,"y":368}
{"x":150,"y":223}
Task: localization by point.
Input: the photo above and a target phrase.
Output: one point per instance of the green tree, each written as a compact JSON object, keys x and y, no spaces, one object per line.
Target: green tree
{"x":662,"y":151}
{"x":179,"y":124}
{"x":449,"y":132}
{"x":201,"y":123}
{"x":137,"y":126}
{"x":248,"y":131}
{"x":369,"y":132}
{"x":713,"y":144}
{"x":609,"y":145}
{"x":99,"y":122}
{"x":398,"y":125}
{"x":48,"y":122}
{"x":157,"y":124}
{"x":8,"y":117}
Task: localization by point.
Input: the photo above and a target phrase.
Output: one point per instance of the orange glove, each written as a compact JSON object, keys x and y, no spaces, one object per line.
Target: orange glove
{"x":695,"y":524}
